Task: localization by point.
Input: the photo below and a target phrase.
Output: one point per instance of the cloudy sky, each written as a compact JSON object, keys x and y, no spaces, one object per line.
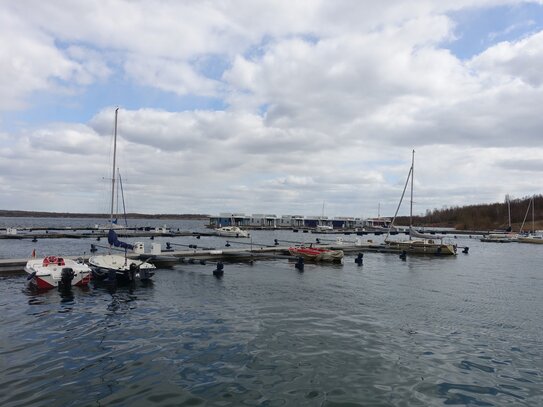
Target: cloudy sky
{"x":270,"y":106}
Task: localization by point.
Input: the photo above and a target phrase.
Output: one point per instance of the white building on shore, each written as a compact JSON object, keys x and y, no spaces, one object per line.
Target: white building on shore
{"x":260,"y":220}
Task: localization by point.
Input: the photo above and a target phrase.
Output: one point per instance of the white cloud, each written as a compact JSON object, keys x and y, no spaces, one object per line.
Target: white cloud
{"x":170,"y":75}
{"x":510,"y":61}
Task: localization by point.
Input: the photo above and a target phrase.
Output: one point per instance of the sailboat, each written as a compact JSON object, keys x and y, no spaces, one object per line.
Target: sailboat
{"x":321,"y":226}
{"x":530,"y":237}
{"x":502,"y":237}
{"x":418,"y":243}
{"x":112,"y":266}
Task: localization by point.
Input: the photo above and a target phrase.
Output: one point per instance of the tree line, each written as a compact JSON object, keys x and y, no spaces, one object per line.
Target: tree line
{"x":483,"y":216}
{"x":37,"y":214}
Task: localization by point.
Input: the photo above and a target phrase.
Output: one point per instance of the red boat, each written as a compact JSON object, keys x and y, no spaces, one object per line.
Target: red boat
{"x":55,"y":271}
{"x":316,"y":254}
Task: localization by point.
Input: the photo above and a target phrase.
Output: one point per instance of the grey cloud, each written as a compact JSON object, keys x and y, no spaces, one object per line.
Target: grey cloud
{"x":523,"y":165}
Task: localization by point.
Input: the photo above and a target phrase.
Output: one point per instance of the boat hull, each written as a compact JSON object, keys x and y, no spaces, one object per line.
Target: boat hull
{"x":500,"y":238}
{"x":231,"y":231}
{"x":423,"y":247}
{"x":531,"y":239}
{"x":120,"y":269}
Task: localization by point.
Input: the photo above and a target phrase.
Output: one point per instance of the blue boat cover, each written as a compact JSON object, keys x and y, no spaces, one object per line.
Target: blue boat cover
{"x":114,"y":240}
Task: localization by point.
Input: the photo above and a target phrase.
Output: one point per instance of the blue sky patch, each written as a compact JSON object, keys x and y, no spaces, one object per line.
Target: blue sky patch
{"x":480,"y":28}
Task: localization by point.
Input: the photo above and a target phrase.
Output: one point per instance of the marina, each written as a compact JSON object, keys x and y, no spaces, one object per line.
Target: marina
{"x":271,"y":204}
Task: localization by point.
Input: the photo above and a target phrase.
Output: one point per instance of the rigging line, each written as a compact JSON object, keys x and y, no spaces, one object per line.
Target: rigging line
{"x":525,"y":216}
{"x":399,"y":203}
{"x":122,"y":196}
{"x":118,"y":192}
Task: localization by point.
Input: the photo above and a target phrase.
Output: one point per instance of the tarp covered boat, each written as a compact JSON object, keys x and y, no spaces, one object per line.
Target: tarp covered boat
{"x":317,"y":254}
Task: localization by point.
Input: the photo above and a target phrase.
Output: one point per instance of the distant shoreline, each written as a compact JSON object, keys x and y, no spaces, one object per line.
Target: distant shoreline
{"x":35,"y":214}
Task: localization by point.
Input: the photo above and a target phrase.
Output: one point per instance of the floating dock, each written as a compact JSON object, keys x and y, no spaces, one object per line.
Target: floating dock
{"x":13,"y":266}
{"x":93,"y":234}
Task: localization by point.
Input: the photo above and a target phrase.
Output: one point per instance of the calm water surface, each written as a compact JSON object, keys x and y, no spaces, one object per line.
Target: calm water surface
{"x":424,"y":332}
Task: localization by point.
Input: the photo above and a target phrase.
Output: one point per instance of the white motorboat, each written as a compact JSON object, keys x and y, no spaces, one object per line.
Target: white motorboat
{"x":231,"y":231}
{"x":324,"y":228}
{"x":53,"y":271}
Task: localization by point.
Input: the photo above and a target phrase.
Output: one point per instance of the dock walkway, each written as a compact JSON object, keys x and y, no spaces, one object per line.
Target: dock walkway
{"x":11,"y":266}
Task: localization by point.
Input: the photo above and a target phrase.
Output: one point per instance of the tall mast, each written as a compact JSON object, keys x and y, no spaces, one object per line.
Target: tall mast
{"x":533,"y":215}
{"x":322,"y":215}
{"x":412,"y":176}
{"x":113,"y":175}
{"x":508,"y":209}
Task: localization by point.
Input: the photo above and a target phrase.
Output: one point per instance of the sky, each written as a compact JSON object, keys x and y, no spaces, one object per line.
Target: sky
{"x":277,"y":107}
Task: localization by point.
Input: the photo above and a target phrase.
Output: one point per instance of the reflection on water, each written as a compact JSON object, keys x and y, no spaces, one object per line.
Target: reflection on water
{"x":424,"y":332}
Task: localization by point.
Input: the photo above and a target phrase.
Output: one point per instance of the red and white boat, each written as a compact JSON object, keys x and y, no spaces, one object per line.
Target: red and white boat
{"x":52,"y":271}
{"x":316,"y":254}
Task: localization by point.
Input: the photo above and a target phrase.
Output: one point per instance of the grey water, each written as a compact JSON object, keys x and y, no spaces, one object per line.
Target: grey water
{"x":427,"y":331}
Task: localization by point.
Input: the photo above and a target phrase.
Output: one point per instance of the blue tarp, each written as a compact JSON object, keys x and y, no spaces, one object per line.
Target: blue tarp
{"x":114,"y":240}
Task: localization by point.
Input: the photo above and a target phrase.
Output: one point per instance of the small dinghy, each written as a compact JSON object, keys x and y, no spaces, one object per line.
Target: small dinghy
{"x":317,"y":254}
{"x":52,"y":271}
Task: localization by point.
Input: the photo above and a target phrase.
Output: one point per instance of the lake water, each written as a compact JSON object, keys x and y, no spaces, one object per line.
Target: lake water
{"x":422,"y":332}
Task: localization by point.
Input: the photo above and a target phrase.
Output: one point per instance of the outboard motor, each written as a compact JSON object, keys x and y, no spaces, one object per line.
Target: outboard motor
{"x":66,"y":276}
{"x":403,"y":255}
{"x":300,"y":264}
{"x":132,"y":271}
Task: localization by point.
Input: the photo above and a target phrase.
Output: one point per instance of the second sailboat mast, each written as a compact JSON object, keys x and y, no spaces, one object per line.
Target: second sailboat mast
{"x":113,"y":175}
